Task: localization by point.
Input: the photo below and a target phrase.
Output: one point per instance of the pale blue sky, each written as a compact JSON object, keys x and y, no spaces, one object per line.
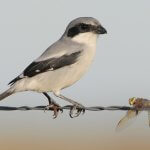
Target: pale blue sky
{"x":121,"y":67}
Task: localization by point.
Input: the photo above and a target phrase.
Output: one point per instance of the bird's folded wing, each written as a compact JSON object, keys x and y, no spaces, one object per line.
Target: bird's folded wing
{"x":50,"y":64}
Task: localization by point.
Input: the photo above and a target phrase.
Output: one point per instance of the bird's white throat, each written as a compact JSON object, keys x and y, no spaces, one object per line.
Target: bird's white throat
{"x":86,"y":38}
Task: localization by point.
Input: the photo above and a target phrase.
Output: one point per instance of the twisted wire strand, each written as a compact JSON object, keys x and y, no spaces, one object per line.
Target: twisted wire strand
{"x":68,"y":107}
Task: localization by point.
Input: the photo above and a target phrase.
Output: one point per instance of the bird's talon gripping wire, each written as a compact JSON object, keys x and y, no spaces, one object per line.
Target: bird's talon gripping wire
{"x":78,"y":108}
{"x":56,"y":108}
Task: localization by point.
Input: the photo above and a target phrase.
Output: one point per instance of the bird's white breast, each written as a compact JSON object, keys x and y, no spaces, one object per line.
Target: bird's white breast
{"x":73,"y":73}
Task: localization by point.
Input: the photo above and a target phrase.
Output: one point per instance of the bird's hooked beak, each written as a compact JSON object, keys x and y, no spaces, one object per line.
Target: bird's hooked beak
{"x":101,"y":30}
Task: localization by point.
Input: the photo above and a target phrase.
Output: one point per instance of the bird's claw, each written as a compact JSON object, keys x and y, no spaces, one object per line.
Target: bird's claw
{"x":55,"y":107}
{"x":78,"y":108}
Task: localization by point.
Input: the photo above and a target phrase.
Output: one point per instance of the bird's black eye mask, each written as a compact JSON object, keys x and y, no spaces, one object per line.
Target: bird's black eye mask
{"x":80,"y":28}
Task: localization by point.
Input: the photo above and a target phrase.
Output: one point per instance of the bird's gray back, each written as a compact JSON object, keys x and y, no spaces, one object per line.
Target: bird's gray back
{"x":61,"y":47}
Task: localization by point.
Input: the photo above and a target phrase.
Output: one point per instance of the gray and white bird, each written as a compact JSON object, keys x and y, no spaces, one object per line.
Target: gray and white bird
{"x":62,"y":64}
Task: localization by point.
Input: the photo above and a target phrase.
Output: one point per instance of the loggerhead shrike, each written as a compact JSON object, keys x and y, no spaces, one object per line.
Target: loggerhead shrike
{"x":62,"y":64}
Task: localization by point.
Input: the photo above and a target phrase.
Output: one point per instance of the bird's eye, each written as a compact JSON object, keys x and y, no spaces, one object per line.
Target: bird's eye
{"x":84,"y":26}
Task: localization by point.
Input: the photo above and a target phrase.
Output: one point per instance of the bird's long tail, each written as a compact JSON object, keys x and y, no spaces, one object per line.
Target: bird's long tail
{"x":7,"y":93}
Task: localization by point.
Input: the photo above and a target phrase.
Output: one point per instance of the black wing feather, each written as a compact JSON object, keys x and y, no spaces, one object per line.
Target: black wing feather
{"x":51,"y":64}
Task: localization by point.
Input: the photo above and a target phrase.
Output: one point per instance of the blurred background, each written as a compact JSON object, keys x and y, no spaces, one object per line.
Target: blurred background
{"x":120,"y":71}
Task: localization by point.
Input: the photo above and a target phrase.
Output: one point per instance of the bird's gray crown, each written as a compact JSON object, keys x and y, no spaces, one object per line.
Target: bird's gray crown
{"x":82,"y":25}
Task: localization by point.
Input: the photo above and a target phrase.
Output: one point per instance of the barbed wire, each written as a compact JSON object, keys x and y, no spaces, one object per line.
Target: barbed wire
{"x":135,"y":108}
{"x":68,"y":107}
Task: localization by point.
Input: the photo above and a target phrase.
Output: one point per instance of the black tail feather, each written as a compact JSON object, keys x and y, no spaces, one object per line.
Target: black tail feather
{"x":14,"y":80}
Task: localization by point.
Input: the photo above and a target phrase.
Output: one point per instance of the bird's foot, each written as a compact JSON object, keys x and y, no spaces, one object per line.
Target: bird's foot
{"x":79,"y":108}
{"x":55,"y":107}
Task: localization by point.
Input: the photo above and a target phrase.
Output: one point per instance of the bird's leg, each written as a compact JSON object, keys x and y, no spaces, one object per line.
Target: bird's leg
{"x":76,"y":106}
{"x":52,"y":105}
